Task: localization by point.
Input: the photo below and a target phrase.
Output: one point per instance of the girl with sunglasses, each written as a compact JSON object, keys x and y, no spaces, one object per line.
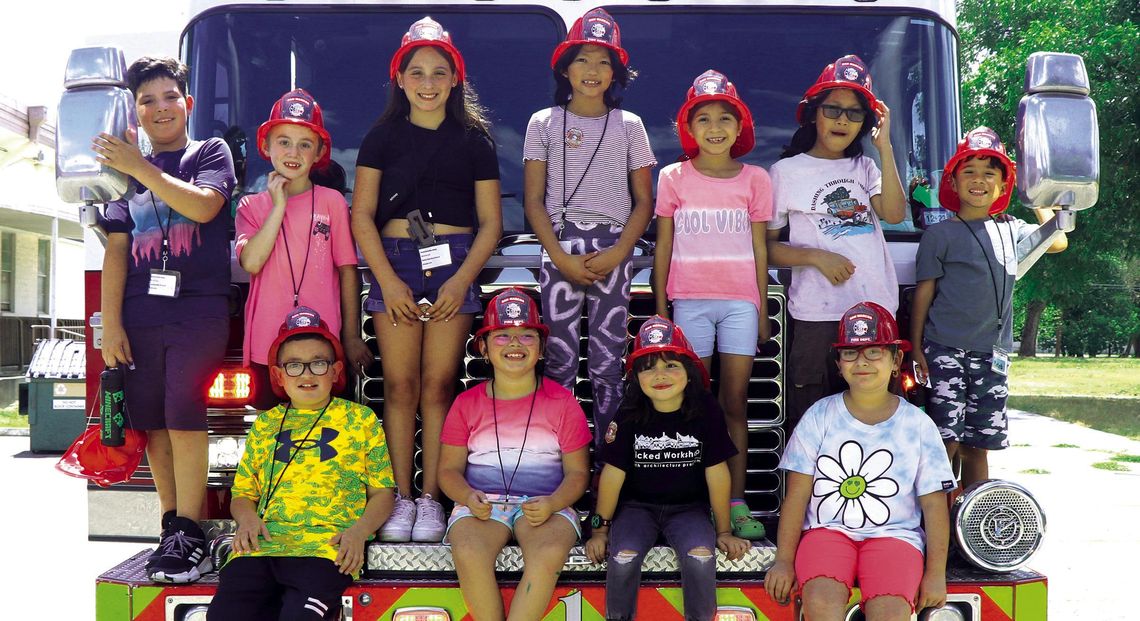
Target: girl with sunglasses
{"x":867,"y":478}
{"x":828,"y":200}
{"x":514,"y":459}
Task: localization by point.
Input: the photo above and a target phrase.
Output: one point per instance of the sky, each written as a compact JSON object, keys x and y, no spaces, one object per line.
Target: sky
{"x":37,"y":36}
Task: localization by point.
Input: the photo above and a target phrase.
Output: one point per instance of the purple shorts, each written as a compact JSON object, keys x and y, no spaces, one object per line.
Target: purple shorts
{"x":174,"y":367}
{"x":404,"y":256}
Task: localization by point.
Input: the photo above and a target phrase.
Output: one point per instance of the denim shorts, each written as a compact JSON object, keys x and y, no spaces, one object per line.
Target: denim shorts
{"x":404,"y":255}
{"x":508,"y":510}
{"x":733,"y":324}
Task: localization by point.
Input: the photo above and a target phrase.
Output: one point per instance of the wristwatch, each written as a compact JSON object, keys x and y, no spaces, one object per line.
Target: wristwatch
{"x":597,"y":521}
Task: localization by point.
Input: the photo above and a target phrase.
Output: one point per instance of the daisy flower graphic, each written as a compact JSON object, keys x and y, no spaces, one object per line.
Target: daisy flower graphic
{"x":853,"y":487}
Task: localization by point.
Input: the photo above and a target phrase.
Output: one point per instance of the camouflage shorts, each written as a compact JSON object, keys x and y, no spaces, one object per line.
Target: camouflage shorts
{"x":966,"y":398}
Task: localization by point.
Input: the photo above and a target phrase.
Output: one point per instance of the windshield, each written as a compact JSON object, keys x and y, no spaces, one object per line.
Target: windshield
{"x":243,"y":59}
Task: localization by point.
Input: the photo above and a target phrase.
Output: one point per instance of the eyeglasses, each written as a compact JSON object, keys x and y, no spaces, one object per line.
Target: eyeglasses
{"x":316,"y":367}
{"x":871,"y":353}
{"x":855,"y":115}
{"x":527,"y":338}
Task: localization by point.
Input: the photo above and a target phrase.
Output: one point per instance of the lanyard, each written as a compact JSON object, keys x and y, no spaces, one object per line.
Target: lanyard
{"x":1000,"y":301}
{"x":566,"y":200}
{"x":308,"y":246}
{"x":165,"y":228}
{"x":297,"y":446}
{"x":498,"y":450}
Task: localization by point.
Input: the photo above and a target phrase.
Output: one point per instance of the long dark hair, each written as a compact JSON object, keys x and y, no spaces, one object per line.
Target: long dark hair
{"x":636,"y":406}
{"x":804,"y":138}
{"x":462,"y":102}
{"x":623,"y":75}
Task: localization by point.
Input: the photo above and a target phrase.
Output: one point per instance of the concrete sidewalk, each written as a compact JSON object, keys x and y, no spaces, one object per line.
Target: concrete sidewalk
{"x":49,"y":568}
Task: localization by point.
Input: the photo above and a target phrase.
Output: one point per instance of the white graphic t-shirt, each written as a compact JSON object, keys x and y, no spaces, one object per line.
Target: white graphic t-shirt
{"x":827,"y":205}
{"x":868,"y":478}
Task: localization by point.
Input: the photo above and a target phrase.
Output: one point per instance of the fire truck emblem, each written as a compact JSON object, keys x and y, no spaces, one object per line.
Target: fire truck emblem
{"x":860,"y":328}
{"x":656,"y":335}
{"x":287,"y":446}
{"x":514,"y":310}
{"x":598,"y":30}
{"x":296,"y":109}
{"x":982,"y":141}
{"x":1001,"y":527}
{"x":851,"y":73}
{"x":302,"y":321}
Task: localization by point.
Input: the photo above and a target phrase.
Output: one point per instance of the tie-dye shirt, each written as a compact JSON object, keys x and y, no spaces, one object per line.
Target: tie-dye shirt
{"x":868,"y":478}
{"x":324,"y":490}
{"x":199,"y":251}
{"x":557,"y":426}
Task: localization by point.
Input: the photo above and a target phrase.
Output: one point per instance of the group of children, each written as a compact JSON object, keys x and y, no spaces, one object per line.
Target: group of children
{"x":321,"y":475}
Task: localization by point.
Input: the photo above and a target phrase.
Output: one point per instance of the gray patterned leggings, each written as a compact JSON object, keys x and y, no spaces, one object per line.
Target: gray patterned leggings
{"x":607,"y":305}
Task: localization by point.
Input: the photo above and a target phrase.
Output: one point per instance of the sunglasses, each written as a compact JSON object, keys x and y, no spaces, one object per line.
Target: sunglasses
{"x":855,"y":115}
{"x":316,"y":367}
{"x":505,"y":339}
{"x":871,"y":353}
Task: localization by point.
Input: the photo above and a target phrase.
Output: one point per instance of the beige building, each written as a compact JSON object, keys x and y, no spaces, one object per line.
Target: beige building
{"x":41,"y":241}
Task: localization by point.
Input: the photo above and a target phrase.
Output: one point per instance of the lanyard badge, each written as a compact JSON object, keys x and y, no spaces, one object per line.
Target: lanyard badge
{"x":433,"y":253}
{"x":164,"y":283}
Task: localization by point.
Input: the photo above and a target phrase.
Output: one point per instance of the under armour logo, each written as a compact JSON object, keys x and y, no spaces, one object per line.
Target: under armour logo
{"x":287,"y":445}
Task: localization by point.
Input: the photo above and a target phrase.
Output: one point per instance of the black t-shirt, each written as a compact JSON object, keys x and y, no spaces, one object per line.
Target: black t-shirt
{"x":456,"y":159}
{"x":665,"y":458}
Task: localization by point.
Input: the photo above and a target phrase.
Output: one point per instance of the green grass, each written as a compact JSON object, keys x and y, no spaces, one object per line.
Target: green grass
{"x":1100,"y":393}
{"x":1111,"y":466}
{"x":1132,"y":459}
{"x":10,"y":417}
{"x":1065,"y":445}
{"x":1070,"y":377}
{"x":1035,"y":471}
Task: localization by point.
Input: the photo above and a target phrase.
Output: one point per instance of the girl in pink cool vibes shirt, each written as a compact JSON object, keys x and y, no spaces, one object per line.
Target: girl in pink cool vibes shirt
{"x":711,"y":258}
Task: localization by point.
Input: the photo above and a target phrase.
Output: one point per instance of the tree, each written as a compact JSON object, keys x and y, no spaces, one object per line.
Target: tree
{"x":997,"y":36}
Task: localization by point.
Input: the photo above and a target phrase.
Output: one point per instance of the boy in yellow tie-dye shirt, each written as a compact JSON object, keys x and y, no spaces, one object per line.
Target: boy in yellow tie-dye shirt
{"x":313,"y":486}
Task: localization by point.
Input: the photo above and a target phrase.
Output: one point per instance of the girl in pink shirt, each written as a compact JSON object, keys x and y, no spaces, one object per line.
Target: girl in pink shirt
{"x":711,"y":258}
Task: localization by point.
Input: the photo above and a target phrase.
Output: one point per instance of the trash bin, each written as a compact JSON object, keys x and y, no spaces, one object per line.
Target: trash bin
{"x":57,"y":392}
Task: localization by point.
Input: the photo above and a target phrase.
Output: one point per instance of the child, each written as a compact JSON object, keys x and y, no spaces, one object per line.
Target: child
{"x":582,"y":158}
{"x":835,"y":242}
{"x":295,"y":240}
{"x":670,"y":440}
{"x":963,"y":305}
{"x":498,"y":496}
{"x":165,"y":298}
{"x":864,"y":468}
{"x":711,"y":256}
{"x":427,"y":178}
{"x":312,"y":487}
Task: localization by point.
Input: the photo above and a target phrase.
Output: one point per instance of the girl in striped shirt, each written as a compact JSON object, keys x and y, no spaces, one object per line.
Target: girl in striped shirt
{"x":583,"y":158}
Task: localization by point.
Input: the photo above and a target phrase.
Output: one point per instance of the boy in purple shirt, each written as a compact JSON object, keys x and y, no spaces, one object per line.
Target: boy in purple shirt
{"x":164,"y":298}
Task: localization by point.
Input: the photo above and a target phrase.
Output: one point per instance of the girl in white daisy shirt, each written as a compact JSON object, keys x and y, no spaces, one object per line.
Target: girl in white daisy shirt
{"x":865,"y":469}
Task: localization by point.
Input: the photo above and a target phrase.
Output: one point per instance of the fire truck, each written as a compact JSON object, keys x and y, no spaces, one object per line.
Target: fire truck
{"x":243,"y":55}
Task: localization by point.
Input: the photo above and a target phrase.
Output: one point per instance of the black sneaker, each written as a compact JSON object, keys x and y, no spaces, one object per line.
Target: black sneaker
{"x":182,"y":554}
{"x":167,"y":520}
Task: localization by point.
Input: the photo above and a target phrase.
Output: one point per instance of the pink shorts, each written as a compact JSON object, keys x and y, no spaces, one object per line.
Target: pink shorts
{"x":882,"y":566}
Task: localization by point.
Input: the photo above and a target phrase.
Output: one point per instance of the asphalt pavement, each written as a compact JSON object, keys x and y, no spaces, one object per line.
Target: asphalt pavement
{"x":48,"y":567}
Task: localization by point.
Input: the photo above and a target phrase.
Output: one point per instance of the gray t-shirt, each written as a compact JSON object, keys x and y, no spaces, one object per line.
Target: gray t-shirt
{"x":975,"y":265}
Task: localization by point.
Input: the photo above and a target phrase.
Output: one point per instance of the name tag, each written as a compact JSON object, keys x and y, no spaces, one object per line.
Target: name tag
{"x":564,"y":244}
{"x":164,"y":283}
{"x":1000,"y":363}
{"x":438,"y":255}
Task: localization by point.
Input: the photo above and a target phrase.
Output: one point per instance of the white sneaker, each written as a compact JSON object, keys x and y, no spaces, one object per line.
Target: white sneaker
{"x":430,"y":526}
{"x":398,"y":528}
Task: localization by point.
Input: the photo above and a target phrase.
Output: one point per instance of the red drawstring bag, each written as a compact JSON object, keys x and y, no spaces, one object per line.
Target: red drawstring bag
{"x":88,"y":458}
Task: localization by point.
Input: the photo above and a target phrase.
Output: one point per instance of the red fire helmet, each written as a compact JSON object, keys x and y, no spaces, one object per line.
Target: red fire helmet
{"x":978,"y":142}
{"x":512,"y":308}
{"x":867,"y":323}
{"x":427,"y":31}
{"x":596,"y":27}
{"x":87,"y":457}
{"x":714,"y":86}
{"x":304,"y":320}
{"x":846,"y":72}
{"x":659,"y":335}
{"x":299,"y":108}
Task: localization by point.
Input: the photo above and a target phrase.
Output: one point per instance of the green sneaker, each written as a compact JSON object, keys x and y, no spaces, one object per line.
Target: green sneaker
{"x":744,"y":525}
